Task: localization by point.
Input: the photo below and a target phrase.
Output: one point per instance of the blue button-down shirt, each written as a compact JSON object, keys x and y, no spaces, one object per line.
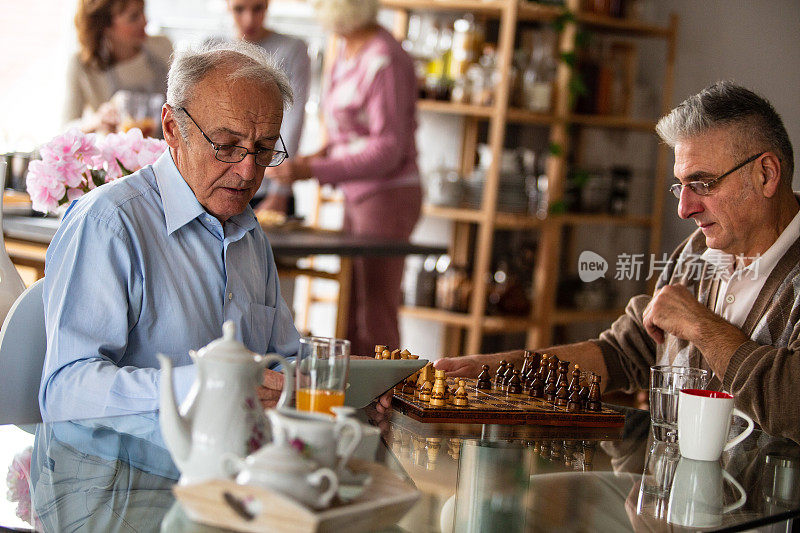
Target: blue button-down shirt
{"x":138,"y":268}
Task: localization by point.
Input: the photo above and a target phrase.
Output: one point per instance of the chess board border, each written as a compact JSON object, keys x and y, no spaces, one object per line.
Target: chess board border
{"x":547,"y":416}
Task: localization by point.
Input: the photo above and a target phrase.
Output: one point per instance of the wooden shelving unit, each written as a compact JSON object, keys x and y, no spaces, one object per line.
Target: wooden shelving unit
{"x":474,"y":229}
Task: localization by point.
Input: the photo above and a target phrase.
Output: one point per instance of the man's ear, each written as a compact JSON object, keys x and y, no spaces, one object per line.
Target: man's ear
{"x":769,"y":172}
{"x":169,"y":126}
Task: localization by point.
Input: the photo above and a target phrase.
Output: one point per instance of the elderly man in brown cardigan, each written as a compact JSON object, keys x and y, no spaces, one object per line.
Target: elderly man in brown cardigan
{"x":727,"y":300}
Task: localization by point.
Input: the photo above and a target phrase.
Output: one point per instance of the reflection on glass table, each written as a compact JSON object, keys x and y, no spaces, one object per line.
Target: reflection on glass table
{"x":116,"y":474}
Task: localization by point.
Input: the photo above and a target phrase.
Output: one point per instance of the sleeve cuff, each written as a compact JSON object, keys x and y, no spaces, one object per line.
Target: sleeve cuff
{"x":613,"y":366}
{"x":742,"y":352}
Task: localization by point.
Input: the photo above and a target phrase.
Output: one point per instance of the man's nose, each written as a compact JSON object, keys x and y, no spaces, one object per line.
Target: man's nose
{"x":246,"y":168}
{"x":689,"y":203}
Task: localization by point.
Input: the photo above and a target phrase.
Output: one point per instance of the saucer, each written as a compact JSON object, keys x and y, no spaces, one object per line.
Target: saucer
{"x":352,"y":484}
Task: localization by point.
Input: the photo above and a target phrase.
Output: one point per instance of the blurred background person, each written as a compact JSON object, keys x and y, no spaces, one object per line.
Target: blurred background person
{"x":291,"y":54}
{"x":368,"y":107}
{"x":115,"y":54}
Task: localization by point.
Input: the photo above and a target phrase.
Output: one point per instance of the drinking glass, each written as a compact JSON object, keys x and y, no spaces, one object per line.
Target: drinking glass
{"x":666,"y":383}
{"x":321,"y":373}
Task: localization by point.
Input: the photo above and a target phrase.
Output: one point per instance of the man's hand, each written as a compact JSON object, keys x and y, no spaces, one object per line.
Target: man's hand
{"x":468,"y":366}
{"x":675,"y":310}
{"x":270,"y":389}
{"x":290,"y":170}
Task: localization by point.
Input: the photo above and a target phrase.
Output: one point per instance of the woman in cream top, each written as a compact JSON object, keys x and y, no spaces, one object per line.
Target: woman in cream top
{"x":115,"y":54}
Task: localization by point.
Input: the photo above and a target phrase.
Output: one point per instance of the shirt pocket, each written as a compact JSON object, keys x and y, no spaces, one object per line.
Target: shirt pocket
{"x":262,"y":318}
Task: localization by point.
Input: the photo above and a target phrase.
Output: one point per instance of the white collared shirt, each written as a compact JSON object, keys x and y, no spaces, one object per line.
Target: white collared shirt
{"x":739,"y":287}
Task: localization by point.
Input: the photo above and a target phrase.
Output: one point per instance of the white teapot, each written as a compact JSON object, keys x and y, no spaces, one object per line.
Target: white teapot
{"x":222,"y":413}
{"x":284,"y":470}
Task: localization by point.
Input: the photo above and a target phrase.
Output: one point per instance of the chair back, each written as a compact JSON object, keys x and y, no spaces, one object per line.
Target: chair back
{"x":23,"y":344}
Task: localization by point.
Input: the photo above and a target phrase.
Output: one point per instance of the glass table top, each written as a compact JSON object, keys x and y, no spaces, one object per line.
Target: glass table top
{"x":116,"y":474}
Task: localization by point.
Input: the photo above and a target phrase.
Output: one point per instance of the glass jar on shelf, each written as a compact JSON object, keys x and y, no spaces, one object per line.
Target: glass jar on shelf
{"x":453,"y":287}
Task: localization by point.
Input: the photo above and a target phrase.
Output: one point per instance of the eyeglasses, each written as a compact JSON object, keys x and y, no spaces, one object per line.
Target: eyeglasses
{"x":703,"y":188}
{"x":231,"y":153}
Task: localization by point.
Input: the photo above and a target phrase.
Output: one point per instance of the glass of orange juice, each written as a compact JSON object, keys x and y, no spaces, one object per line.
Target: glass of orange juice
{"x":321,"y":373}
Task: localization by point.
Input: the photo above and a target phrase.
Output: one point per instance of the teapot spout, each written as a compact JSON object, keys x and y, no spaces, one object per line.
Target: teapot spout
{"x":174,"y":428}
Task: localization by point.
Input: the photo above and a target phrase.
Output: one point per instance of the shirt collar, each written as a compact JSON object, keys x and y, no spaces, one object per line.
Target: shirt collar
{"x":180,"y":203}
{"x":764,"y":264}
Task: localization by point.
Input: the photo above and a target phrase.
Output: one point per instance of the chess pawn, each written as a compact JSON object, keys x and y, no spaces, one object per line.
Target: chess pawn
{"x":562,"y":394}
{"x":575,"y":383}
{"x":498,"y":378}
{"x":425,"y":391}
{"x":514,"y":384}
{"x":563,"y":371}
{"x":386,"y":354}
{"x":461,"y":397}
{"x":379,"y":348}
{"x":550,"y":384}
{"x":439,"y":391}
{"x":484,"y":379}
{"x":508,"y":373}
{"x":593,"y":403}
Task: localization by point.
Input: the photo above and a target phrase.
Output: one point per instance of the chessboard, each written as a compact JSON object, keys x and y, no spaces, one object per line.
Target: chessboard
{"x":496,"y":406}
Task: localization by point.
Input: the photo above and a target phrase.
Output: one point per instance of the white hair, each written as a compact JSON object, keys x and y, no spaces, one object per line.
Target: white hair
{"x":193,"y":63}
{"x":345,"y":16}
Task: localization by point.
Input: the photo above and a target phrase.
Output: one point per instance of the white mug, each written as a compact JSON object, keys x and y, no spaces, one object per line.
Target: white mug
{"x":696,"y":496}
{"x":704,"y":419}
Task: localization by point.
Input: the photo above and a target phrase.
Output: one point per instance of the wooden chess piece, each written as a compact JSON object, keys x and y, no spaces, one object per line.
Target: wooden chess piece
{"x":379,"y":348}
{"x":550,"y":383}
{"x":588,"y":454}
{"x":507,"y":374}
{"x":432,"y":447}
{"x":395,"y":354}
{"x":484,"y":379}
{"x":526,"y":361}
{"x":386,"y":354}
{"x":439,"y":392}
{"x":574,"y":403}
{"x":563,"y":371}
{"x":536,"y":388}
{"x":461,"y":397}
{"x":593,"y":403}
{"x":575,"y":383}
{"x":405,"y":354}
{"x":584,"y":391}
{"x":498,"y":378}
{"x":562,"y":394}
{"x":514,"y":384}
{"x":425,"y":392}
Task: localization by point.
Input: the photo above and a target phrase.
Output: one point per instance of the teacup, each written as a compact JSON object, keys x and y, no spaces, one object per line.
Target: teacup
{"x":696,"y":497}
{"x":320,"y":433}
{"x":704,"y":420}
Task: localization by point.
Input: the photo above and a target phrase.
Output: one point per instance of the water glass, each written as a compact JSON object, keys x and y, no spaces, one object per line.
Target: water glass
{"x":321,"y":373}
{"x":666,"y":383}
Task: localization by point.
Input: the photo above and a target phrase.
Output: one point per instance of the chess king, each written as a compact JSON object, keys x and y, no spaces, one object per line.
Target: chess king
{"x":727,"y":300}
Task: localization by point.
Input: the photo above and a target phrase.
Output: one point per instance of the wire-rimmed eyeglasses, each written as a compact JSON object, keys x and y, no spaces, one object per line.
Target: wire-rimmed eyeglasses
{"x":703,"y":188}
{"x":231,"y":153}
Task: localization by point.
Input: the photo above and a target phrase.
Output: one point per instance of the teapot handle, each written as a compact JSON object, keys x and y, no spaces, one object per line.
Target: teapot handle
{"x":288,"y":376}
{"x":316,"y":478}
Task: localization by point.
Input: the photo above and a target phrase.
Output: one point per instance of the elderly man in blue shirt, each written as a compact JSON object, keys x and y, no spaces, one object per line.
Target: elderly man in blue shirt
{"x":157,"y":261}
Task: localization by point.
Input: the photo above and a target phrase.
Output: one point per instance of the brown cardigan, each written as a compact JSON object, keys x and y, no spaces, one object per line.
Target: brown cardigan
{"x":763,"y":373}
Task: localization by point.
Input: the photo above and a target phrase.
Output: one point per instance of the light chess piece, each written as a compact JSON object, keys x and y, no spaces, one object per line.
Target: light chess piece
{"x":439,"y":391}
{"x":461,"y":397}
{"x":425,"y":391}
{"x":379,"y":348}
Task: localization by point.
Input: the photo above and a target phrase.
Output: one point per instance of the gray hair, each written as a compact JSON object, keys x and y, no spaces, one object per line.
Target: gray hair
{"x":345,"y":16}
{"x":192,"y":64}
{"x":755,"y":123}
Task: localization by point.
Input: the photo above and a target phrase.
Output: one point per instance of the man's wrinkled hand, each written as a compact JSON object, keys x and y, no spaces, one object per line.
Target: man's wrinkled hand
{"x":676,"y":311}
{"x":468,"y":366}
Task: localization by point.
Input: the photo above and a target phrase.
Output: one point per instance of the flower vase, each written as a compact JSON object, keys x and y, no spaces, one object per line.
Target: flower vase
{"x":11,"y":285}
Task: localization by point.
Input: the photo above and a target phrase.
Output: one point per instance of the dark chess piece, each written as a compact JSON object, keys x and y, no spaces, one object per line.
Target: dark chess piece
{"x":584,"y":391}
{"x":526,"y":361}
{"x":550,"y":390}
{"x":498,"y":378}
{"x":563,"y":370}
{"x":533,"y":366}
{"x":484,"y":379}
{"x":536,"y":388}
{"x":575,"y":384}
{"x":552,"y":370}
{"x":562,"y":394}
{"x":588,"y":454}
{"x":574,"y":403}
{"x":508,"y":373}
{"x":593,"y":403}
{"x":514,"y":384}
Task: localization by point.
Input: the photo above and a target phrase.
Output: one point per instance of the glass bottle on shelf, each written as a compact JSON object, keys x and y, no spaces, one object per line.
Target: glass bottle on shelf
{"x":537,"y":80}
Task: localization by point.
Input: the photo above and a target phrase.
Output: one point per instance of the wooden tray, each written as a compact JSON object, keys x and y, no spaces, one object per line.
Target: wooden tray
{"x":497,"y":407}
{"x":383,"y":503}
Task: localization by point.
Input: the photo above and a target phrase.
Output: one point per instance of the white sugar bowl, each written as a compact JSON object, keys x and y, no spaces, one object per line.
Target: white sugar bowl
{"x":283,"y":469}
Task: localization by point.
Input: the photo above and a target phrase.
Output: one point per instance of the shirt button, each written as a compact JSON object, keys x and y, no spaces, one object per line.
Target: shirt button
{"x":730,"y":298}
{"x":230,"y":296}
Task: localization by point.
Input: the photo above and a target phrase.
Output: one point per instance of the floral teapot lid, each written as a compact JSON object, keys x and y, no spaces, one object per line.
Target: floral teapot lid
{"x":227,"y":347}
{"x":281,"y":459}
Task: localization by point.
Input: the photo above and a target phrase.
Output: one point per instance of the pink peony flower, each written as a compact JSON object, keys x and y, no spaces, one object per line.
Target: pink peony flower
{"x":65,"y":171}
{"x":18,"y":481}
